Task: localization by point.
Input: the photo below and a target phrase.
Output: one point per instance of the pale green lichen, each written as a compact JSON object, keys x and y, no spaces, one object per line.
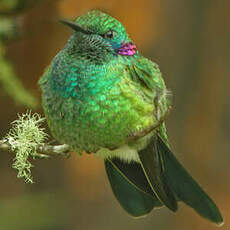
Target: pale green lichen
{"x":24,"y":137}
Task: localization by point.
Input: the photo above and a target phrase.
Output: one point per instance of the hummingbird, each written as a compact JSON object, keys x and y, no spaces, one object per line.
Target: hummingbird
{"x":102,"y":97}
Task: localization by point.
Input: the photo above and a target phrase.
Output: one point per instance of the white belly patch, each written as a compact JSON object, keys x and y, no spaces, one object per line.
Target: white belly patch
{"x":125,"y":153}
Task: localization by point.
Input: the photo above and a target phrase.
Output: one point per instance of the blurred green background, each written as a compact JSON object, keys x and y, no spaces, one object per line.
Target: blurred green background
{"x":190,"y":40}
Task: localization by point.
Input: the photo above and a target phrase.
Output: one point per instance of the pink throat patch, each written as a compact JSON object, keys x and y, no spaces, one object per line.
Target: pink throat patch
{"x":127,"y":49}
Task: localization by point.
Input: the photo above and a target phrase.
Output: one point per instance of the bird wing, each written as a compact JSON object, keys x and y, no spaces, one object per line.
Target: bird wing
{"x":147,"y":76}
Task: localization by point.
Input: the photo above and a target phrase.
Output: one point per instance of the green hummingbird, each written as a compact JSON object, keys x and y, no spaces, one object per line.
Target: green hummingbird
{"x":101,"y":96}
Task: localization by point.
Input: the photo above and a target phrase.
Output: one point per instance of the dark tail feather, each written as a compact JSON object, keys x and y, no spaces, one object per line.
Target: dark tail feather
{"x":153,"y":167}
{"x":185,"y":187}
{"x":130,"y":187}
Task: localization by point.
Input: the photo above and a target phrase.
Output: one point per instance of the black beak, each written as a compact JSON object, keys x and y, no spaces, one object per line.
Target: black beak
{"x":75,"y":27}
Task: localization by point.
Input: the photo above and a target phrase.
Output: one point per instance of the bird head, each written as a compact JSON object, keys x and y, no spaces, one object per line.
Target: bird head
{"x":97,"y":32}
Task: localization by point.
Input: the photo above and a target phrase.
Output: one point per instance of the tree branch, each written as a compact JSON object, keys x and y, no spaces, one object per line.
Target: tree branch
{"x":42,"y":151}
{"x":27,"y":140}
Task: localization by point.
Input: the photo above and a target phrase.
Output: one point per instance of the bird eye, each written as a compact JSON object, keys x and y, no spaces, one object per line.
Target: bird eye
{"x":109,"y":34}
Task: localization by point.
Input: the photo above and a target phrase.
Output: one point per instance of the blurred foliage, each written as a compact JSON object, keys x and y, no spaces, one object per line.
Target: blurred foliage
{"x":33,"y":212}
{"x":8,"y":7}
{"x":9,"y":30}
{"x":190,"y":42}
{"x":12,"y":85}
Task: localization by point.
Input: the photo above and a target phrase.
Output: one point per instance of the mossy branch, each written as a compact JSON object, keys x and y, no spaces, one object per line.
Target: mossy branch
{"x":26,"y":140}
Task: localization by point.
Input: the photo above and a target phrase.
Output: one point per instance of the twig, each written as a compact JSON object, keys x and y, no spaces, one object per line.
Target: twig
{"x":43,"y":151}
